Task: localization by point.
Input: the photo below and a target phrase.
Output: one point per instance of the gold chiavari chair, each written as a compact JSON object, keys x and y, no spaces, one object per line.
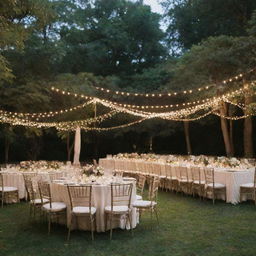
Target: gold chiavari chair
{"x":198,"y":183}
{"x":55,"y":175}
{"x":249,"y":190}
{"x":35,"y":202}
{"x":171,"y":179}
{"x":141,"y":180}
{"x":163,"y":176}
{"x":120,"y":205}
{"x":151,"y":203}
{"x":7,"y":193}
{"x":211,"y":187}
{"x":185,"y":183}
{"x":52,"y":209}
{"x":81,"y":205}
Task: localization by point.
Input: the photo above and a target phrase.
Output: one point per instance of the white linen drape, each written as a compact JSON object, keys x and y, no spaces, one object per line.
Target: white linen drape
{"x":77,"y":147}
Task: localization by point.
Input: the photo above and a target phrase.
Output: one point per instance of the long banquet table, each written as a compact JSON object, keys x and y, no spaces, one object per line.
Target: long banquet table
{"x":231,"y":178}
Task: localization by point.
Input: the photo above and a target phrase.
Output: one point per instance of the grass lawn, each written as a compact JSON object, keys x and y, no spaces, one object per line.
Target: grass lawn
{"x":188,"y":227}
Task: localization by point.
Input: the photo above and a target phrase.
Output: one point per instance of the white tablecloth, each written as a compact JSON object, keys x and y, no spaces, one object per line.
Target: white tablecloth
{"x":101,"y":197}
{"x":231,"y":178}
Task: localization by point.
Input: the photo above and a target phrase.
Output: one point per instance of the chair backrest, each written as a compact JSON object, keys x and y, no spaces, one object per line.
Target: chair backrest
{"x":153,"y":188}
{"x":55,"y":175}
{"x":1,"y":181}
{"x":255,"y":178}
{"x":80,"y":196}
{"x":121,"y":194}
{"x":168,"y":169}
{"x":209,"y":175}
{"x":183,"y":172}
{"x":30,"y":189}
{"x":45,"y":191}
{"x":141,"y":184}
{"x":196,"y":173}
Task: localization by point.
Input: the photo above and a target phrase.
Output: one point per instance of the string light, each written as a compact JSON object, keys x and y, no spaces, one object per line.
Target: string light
{"x":233,"y":117}
{"x":169,"y":94}
{"x":46,"y":114}
{"x":112,"y":103}
{"x":58,"y":125}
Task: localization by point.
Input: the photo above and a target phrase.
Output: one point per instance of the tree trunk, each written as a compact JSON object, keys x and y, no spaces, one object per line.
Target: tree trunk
{"x":6,"y":151}
{"x":231,"y":126}
{"x":225,"y":130}
{"x":77,"y":147}
{"x":187,"y":137}
{"x":69,"y":147}
{"x":248,"y":127}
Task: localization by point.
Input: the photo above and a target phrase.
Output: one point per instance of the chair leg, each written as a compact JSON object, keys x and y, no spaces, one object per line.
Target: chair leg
{"x":151,"y":217}
{"x":111,"y":231}
{"x":156,"y":213}
{"x":2,"y":199}
{"x":91,"y":220}
{"x":130,"y":221}
{"x":69,"y":228}
{"x":49,"y":223}
{"x":106,"y":222}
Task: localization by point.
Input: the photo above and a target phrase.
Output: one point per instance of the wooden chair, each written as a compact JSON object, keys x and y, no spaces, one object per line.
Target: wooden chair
{"x":35,"y":202}
{"x":185,"y":183}
{"x":151,"y":203}
{"x":249,"y":190}
{"x":171,"y":179}
{"x":81,"y":205}
{"x":211,"y":187}
{"x":52,"y":209}
{"x":198,"y":183}
{"x":7,"y":194}
{"x":141,"y":180}
{"x":120,"y":205}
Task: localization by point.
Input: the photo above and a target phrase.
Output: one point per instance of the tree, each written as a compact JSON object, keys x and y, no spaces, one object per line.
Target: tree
{"x":191,"y":21}
{"x":112,"y":37}
{"x":212,"y":61}
{"x":17,"y":20}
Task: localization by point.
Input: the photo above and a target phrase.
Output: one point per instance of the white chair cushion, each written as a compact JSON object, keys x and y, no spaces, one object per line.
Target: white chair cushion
{"x":198,"y":182}
{"x":9,"y":189}
{"x":117,"y":209}
{"x":83,"y":210}
{"x":162,"y":177}
{"x":185,"y":180}
{"x":56,"y":207}
{"x":138,"y":197}
{"x":216,"y":185}
{"x":38,"y":201}
{"x":143,"y":203}
{"x":247,"y":185}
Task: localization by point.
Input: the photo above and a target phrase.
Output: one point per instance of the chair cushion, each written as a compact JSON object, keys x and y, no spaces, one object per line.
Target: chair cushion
{"x":247,"y":185}
{"x":138,"y":197}
{"x":198,"y":182}
{"x":118,"y":209}
{"x":143,"y":203}
{"x":56,"y":207}
{"x":185,"y":180}
{"x":9,"y":189}
{"x":162,"y":177}
{"x":216,"y":185}
{"x":38,"y":201}
{"x":83,"y":210}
